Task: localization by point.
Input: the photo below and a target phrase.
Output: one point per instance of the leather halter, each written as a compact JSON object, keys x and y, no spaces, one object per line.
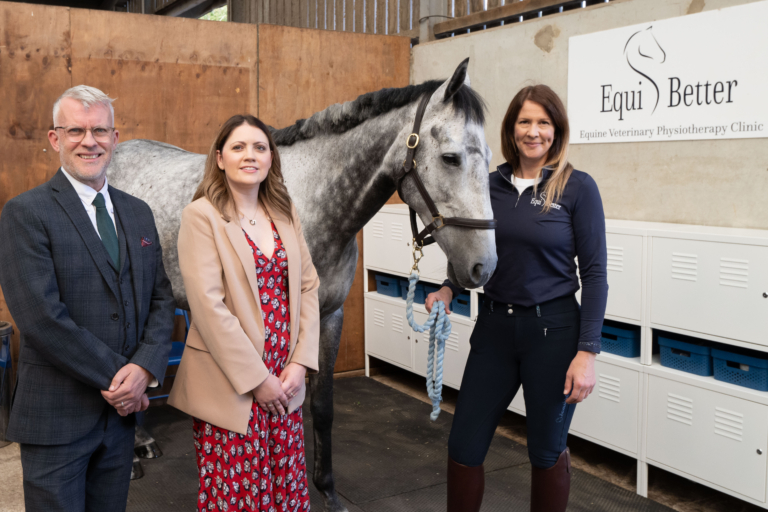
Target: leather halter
{"x":409,"y":168}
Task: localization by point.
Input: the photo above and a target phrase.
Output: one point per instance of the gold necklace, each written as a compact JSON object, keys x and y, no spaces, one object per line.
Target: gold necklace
{"x":253,"y":220}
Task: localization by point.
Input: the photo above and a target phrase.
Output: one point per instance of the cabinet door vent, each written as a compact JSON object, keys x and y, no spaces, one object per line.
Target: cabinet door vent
{"x":734,"y":272}
{"x":680,"y":409}
{"x":397,"y":231}
{"x":378,"y":317}
{"x":452,"y":343}
{"x":397,"y":322}
{"x":609,"y":388}
{"x":377,"y":229}
{"x":729,"y":424}
{"x":684,"y":266}
{"x":616,"y":259}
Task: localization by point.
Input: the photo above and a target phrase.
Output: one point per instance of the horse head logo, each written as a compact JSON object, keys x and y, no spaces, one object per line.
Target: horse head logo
{"x":644,"y":53}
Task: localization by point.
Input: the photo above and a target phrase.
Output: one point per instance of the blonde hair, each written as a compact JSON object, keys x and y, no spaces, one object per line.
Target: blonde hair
{"x":86,"y":95}
{"x":557,"y":157}
{"x":214,"y":186}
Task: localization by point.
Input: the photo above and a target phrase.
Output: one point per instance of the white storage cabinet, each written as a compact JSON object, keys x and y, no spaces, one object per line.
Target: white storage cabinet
{"x":710,"y":283}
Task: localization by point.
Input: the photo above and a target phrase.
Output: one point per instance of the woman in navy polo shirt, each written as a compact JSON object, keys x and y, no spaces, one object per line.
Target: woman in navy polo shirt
{"x":530,"y":329}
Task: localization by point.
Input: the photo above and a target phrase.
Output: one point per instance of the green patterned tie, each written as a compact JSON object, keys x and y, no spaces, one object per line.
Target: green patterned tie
{"x":107,"y":229}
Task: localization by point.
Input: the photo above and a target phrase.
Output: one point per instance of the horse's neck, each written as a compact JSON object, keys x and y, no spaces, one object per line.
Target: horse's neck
{"x":351,"y":173}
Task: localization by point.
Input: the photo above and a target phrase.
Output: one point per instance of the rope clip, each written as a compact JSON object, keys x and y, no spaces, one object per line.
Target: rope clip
{"x":417,"y":257}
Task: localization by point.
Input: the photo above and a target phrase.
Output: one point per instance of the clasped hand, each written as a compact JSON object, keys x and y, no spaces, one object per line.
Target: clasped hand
{"x":126,"y":392}
{"x":274,"y":393}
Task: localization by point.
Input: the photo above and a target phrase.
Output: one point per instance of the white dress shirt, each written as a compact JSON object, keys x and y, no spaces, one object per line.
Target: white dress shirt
{"x":88,"y":194}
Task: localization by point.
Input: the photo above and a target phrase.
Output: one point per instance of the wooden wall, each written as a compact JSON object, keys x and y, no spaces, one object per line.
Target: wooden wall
{"x":176,"y":80}
{"x":388,"y":17}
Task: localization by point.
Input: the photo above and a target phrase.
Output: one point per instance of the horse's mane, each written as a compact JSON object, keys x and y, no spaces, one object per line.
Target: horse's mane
{"x":341,"y":117}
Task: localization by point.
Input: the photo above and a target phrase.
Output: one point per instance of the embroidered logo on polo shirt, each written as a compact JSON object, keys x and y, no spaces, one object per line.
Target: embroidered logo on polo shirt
{"x":542,"y":199}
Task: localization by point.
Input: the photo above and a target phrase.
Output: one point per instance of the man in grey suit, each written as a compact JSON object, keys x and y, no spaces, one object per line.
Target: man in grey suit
{"x":83,"y":277}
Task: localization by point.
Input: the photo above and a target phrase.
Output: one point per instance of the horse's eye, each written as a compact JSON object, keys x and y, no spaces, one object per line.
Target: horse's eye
{"x":451,"y":159}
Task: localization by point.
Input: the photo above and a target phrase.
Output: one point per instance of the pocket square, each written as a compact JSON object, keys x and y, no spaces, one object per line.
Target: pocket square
{"x":145,"y":241}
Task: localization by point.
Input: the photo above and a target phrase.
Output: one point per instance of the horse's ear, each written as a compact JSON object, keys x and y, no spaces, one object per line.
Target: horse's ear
{"x":460,"y":77}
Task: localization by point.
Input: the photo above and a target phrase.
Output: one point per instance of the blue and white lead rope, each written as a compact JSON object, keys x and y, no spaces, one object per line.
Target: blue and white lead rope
{"x":439,"y":329}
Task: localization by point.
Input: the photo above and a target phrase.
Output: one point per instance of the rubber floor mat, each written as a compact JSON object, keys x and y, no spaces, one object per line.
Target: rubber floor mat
{"x":385,"y":444}
{"x":387,"y":456}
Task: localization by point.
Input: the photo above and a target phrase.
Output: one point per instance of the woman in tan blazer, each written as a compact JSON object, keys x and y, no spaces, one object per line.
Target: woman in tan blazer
{"x":253,"y":292}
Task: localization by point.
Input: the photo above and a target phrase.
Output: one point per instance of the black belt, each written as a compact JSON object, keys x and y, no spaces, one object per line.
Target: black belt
{"x":550,"y":307}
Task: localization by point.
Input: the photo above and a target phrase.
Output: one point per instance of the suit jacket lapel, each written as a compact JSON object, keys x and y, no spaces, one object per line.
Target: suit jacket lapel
{"x":293,"y":254}
{"x":66,"y":196}
{"x":244,"y":252}
{"x":124,"y":210}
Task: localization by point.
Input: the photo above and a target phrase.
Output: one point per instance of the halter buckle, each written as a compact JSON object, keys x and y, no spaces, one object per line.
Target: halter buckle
{"x":408,"y":141}
{"x":413,"y":161}
{"x":439,"y":222}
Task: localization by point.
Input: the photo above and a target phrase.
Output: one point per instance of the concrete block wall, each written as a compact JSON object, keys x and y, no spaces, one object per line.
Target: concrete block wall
{"x":709,"y":182}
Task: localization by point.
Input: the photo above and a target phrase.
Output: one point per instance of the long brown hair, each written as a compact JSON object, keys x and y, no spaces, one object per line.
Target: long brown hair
{"x":557,"y":157}
{"x":214,"y":186}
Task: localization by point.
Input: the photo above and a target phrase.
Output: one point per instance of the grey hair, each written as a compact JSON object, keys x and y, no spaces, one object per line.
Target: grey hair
{"x":86,"y":95}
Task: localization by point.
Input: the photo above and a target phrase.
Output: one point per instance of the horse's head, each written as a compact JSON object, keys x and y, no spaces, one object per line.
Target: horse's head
{"x":644,"y":54}
{"x":643,"y":45}
{"x":452,"y":160}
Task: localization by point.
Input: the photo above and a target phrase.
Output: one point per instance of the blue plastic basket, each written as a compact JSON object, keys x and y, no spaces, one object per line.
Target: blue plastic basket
{"x":686,"y":357}
{"x":748,"y":371}
{"x":460,"y":305}
{"x":419,"y":296}
{"x":387,"y":285}
{"x":620,"y":341}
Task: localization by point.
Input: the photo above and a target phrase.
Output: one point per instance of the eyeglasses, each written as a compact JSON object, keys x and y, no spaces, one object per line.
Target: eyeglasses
{"x":76,"y":134}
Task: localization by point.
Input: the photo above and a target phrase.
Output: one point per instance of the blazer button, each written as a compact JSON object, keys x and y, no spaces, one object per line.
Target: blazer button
{"x":126,"y":303}
{"x":128,"y":325}
{"x":115,"y":316}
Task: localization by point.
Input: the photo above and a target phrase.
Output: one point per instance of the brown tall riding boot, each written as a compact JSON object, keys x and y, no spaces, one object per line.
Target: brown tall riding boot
{"x":550,"y":487}
{"x":465,"y":487}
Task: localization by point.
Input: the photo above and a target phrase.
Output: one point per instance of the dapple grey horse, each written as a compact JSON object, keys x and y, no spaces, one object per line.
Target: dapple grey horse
{"x":340,"y":167}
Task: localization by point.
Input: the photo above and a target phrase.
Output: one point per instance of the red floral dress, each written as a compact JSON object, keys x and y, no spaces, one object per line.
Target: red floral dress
{"x":264,"y":470}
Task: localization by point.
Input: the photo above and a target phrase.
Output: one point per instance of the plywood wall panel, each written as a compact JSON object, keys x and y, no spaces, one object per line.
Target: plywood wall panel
{"x":312,"y":65}
{"x":178,"y":91}
{"x":34,"y":71}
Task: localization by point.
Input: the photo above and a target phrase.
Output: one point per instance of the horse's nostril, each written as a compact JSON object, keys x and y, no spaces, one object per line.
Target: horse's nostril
{"x":477,"y":272}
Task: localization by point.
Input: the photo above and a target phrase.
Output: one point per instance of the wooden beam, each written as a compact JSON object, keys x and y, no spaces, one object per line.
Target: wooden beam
{"x":461,"y":24}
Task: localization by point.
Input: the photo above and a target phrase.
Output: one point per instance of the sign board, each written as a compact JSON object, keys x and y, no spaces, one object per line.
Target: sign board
{"x":701,"y":76}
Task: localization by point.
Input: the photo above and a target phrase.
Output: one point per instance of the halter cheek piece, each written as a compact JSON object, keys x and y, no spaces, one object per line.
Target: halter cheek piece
{"x":409,"y":169}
